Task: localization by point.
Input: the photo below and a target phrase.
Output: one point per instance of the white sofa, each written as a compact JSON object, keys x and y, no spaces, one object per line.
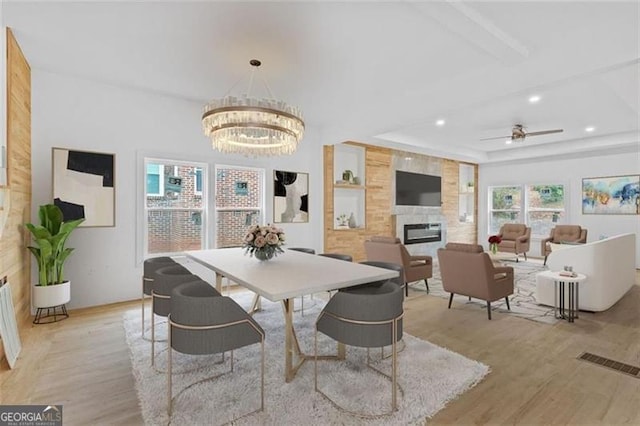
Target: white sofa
{"x":610,"y":267}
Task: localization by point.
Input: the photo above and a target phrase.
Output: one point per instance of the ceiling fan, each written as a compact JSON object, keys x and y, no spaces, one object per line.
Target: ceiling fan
{"x":518,"y":133}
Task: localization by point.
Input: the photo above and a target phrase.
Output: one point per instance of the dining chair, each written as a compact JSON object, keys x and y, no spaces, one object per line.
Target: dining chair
{"x":338,"y":256}
{"x":303,"y":250}
{"x":165,"y":280}
{"x":202,"y":322}
{"x":368,"y":316}
{"x":150,"y":266}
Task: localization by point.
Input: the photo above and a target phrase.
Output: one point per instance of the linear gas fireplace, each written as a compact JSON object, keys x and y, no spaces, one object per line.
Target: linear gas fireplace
{"x":416,"y":233}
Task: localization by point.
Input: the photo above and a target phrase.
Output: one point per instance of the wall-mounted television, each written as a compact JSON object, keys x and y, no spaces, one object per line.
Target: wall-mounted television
{"x":416,"y":189}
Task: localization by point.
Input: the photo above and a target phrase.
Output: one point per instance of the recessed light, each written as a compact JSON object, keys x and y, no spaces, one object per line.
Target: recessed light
{"x":533,"y":99}
{"x":440,"y":122}
{"x":589,"y":129}
{"x":508,"y":141}
{"x":407,"y":158}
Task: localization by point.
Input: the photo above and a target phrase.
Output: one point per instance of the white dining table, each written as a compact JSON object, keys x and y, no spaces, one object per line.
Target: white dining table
{"x":291,"y":274}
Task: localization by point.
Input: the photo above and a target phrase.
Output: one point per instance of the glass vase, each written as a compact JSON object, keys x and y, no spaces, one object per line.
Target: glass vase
{"x":494,"y":248}
{"x":263,"y":255}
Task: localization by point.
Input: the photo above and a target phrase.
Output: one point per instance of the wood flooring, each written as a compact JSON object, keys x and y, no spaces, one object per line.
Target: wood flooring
{"x":83,"y":363}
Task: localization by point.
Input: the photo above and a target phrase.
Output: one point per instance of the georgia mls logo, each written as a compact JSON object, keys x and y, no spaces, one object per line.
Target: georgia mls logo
{"x":30,"y":415}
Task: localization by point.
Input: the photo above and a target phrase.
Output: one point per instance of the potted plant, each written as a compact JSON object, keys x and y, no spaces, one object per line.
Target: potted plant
{"x":50,"y":252}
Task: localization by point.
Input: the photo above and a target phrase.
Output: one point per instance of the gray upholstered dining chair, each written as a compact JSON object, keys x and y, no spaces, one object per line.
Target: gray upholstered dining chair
{"x":339,"y":256}
{"x":150,"y":266}
{"x":303,"y":250}
{"x":399,"y":280}
{"x":204,"y":322}
{"x":368,"y":316}
{"x":165,"y":279}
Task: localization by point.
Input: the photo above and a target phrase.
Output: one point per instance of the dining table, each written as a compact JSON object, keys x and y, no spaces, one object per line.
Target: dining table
{"x":281,"y":279}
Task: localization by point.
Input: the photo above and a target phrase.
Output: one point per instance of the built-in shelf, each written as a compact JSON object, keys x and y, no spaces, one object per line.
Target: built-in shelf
{"x":349,"y":198}
{"x":466,"y":193}
{"x":348,"y":186}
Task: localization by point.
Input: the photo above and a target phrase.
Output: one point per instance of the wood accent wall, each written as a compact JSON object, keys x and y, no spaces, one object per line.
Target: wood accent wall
{"x":15,"y":262}
{"x":378,"y":164}
{"x":459,"y":232}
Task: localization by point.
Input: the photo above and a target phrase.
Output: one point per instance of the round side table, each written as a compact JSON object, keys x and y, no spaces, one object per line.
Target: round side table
{"x":569,"y":313}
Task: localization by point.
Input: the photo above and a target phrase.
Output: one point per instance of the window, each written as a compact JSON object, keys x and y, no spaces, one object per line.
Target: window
{"x":174,"y":206}
{"x":545,"y":208}
{"x":197,"y":181}
{"x":239,"y":203}
{"x":505,"y":206}
{"x":540,"y":207}
{"x":155,"y":180}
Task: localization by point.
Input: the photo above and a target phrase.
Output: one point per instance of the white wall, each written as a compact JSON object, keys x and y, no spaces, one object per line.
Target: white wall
{"x":79,"y":114}
{"x":567,"y":171}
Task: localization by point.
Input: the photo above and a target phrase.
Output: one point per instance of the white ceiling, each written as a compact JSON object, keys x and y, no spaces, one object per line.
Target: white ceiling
{"x":376,"y":72}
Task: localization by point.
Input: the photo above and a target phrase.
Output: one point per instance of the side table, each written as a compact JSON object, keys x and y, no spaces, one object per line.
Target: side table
{"x":573,"y":284}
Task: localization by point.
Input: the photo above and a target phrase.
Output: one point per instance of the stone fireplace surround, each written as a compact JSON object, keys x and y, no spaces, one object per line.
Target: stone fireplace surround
{"x":430,"y":248}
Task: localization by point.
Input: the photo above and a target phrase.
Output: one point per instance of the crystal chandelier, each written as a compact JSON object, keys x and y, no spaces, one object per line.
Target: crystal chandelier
{"x":252,"y":126}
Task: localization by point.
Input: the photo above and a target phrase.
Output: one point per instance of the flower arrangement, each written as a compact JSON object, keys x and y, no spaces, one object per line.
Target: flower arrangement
{"x":494,"y":240}
{"x":264,"y":242}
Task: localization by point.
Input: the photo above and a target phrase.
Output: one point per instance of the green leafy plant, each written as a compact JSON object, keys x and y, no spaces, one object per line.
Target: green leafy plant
{"x":50,"y":238}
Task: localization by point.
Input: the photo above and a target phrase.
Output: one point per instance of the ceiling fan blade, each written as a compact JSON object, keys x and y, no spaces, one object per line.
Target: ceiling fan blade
{"x":499,"y":137}
{"x":545,"y":132}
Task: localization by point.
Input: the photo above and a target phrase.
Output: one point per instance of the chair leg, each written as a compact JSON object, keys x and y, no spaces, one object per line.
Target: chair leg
{"x":406,"y":289}
{"x":525,"y":255}
{"x":153,"y":330}
{"x":469,"y":298}
{"x":450,"y":300}
{"x":426,"y":285}
{"x":169,"y":367}
{"x":489,"y":309}
{"x":507,"y":300}
{"x":545,"y":261}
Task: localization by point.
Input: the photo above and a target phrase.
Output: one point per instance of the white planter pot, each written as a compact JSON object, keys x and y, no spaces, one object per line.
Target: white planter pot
{"x":51,"y":295}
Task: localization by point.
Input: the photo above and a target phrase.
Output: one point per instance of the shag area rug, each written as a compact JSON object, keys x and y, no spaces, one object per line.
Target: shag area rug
{"x":430,"y":376}
{"x":522,"y":301}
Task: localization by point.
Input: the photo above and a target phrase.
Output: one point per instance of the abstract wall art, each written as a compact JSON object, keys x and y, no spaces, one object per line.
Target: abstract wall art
{"x":290,"y":197}
{"x":611,"y":195}
{"x":84,"y":186}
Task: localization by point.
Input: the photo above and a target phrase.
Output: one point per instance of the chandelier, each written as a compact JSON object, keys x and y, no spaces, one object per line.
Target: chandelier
{"x":253,"y":126}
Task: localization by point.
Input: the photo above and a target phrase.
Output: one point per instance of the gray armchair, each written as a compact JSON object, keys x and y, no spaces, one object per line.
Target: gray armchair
{"x":165,"y":279}
{"x":364,"y":316}
{"x":204,"y":322}
{"x":150,"y":266}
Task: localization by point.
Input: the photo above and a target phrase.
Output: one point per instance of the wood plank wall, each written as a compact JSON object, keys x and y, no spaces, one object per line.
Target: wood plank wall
{"x":459,"y":232}
{"x":379,"y":203}
{"x":15,"y":261}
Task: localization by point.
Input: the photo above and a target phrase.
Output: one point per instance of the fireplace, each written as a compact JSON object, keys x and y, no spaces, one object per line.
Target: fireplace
{"x":416,"y":233}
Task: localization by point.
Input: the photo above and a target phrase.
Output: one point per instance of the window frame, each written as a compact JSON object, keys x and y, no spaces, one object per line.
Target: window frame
{"x":525,"y":207}
{"x":144,"y":208}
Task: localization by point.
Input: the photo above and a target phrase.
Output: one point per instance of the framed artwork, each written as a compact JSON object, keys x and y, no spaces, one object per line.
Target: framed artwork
{"x":8,"y":325}
{"x":290,"y":197}
{"x":84,"y":186}
{"x":611,"y":195}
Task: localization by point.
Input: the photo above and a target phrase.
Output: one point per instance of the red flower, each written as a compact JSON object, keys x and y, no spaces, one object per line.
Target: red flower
{"x":495,"y":239}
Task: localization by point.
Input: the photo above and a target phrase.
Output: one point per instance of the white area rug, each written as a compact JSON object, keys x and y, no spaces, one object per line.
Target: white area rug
{"x":429,"y":375}
{"x":522,"y":301}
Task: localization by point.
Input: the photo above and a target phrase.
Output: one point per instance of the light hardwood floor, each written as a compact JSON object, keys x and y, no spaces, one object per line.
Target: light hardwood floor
{"x":83,"y":363}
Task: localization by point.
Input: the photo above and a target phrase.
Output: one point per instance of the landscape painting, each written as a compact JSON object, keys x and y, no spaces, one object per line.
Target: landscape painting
{"x":611,"y":195}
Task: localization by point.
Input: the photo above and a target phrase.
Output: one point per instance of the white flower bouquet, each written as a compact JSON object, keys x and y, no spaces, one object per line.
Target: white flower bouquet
{"x":264,"y":242}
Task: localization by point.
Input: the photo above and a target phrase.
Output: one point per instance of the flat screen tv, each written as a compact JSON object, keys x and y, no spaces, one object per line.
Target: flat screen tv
{"x":415,"y":189}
